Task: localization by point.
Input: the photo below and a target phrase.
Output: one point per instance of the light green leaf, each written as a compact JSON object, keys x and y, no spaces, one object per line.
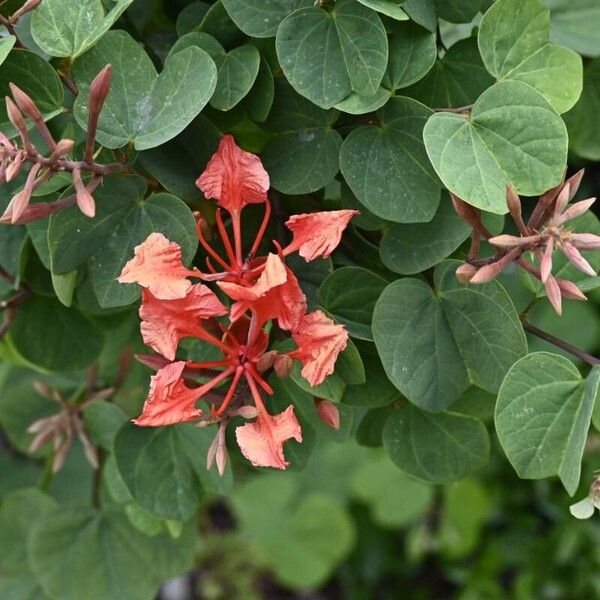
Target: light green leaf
{"x":327,"y":55}
{"x":390,"y":8}
{"x":543,"y":415}
{"x":433,"y":343}
{"x":514,"y":44}
{"x":387,"y":167}
{"x":575,"y":24}
{"x":237,"y":73}
{"x":349,"y":294}
{"x":67,"y":29}
{"x":359,"y":105}
{"x":6,"y":44}
{"x":261,"y":18}
{"x":143,"y":108}
{"x":437,"y":448}
{"x":410,"y":249}
{"x":512,"y":136}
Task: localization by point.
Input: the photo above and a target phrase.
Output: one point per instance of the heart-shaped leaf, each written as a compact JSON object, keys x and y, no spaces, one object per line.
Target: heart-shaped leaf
{"x":575,"y":24}
{"x":143,"y":108}
{"x":512,"y":137}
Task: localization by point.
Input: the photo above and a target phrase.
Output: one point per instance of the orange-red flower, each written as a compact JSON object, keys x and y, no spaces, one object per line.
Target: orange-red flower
{"x":234,"y":177}
{"x":166,"y":322}
{"x":262,"y":442}
{"x":157,"y":266}
{"x":317,"y":235}
{"x":319,"y":342}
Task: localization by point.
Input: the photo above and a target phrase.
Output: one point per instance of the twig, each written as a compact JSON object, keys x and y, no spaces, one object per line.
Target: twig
{"x":459,"y":110}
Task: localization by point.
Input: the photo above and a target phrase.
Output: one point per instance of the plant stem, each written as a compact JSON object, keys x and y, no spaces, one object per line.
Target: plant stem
{"x":548,"y":337}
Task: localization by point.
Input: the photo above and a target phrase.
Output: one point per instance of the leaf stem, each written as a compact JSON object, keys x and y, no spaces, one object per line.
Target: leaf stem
{"x":548,"y":337}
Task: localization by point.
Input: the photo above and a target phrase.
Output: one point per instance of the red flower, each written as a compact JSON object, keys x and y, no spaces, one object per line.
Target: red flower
{"x":234,"y":177}
{"x":262,"y":442}
{"x":319,"y":342}
{"x":317,"y":234}
{"x":166,"y":322}
{"x":157,"y":266}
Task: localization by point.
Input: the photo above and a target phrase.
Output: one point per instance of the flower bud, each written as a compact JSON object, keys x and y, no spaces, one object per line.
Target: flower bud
{"x":14,"y":168}
{"x":283,"y":365}
{"x":99,"y":89}
{"x":16,"y":118}
{"x":62,"y":148}
{"x":85,"y":200}
{"x":465,"y":273}
{"x":328,"y":413}
{"x":265,"y":362}
{"x":25,"y":103}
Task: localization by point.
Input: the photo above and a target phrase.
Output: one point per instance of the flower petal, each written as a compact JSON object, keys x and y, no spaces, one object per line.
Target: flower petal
{"x":166,"y":322}
{"x":583,"y":509}
{"x":234,"y":177}
{"x":317,"y":234}
{"x":157,"y":266}
{"x":169,"y":400}
{"x":262,"y":442}
{"x":319,"y":341}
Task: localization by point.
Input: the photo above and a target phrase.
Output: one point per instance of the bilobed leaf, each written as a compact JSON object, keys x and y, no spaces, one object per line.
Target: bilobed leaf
{"x":103,"y":552}
{"x":143,"y":107}
{"x":410,"y":249}
{"x":67,"y":29}
{"x":349,"y":294}
{"x":390,"y":8}
{"x":457,"y":79}
{"x":514,"y":44}
{"x":387,"y":167}
{"x":512,"y":136}
{"x":55,"y":338}
{"x":575,"y":24}
{"x":237,"y":71}
{"x":437,"y":448}
{"x":433,"y":343}
{"x":261,"y":18}
{"x":543,"y":415}
{"x":326,"y":55}
{"x":303,"y":154}
{"x":359,"y":105}
{"x":217,"y":23}
{"x":34,"y":76}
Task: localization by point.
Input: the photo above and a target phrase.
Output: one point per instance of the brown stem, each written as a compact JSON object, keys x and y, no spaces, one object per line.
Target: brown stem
{"x":459,"y":110}
{"x":6,"y":275}
{"x":548,"y":337}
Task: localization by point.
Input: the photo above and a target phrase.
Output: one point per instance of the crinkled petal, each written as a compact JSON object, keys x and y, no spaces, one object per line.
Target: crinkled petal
{"x":234,"y":177}
{"x":166,"y":322}
{"x":262,"y":442}
{"x":169,"y":401}
{"x":157,"y":266}
{"x":318,"y":234}
{"x":319,"y":342}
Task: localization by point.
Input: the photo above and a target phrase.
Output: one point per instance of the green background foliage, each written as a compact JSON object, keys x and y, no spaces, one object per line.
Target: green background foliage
{"x":383,"y":106}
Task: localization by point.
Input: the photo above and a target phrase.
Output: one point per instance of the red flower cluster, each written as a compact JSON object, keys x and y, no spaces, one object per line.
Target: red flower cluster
{"x":262,"y":289}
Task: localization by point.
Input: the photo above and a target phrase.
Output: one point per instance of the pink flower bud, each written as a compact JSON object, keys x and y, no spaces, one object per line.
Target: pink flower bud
{"x":265,"y":362}
{"x":546,"y":262}
{"x":25,"y":103}
{"x":511,"y":241}
{"x":99,"y":89}
{"x":574,"y":182}
{"x":570,"y":290}
{"x":465,"y":272}
{"x":62,"y":148}
{"x":561,"y":201}
{"x":328,"y":413}
{"x":575,"y":210}
{"x":491,"y":271}
{"x":586,"y":241}
{"x":577,"y":260}
{"x":283,"y":365}
{"x":85,"y":200}
{"x":14,"y":168}
{"x":554,"y":294}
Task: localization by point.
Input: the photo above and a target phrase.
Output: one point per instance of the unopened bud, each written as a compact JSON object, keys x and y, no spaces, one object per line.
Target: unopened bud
{"x":85,"y":200}
{"x":465,"y":273}
{"x":466,"y":212}
{"x":574,"y":182}
{"x":283,"y":365}
{"x":328,"y":413}
{"x":14,"y":168}
{"x":16,"y":118}
{"x":20,"y":201}
{"x":99,"y":89}
{"x":265,"y":362}
{"x":513,"y":202}
{"x":570,"y":290}
{"x":25,"y":103}
{"x":246,"y":412}
{"x":62,"y":148}
{"x":553,"y":292}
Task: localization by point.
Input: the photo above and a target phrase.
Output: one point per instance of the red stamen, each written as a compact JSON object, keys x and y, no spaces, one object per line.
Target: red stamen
{"x":210,"y":250}
{"x":210,"y":266}
{"x":211,"y":364}
{"x":225,"y":237}
{"x":263,"y":384}
{"x":261,"y":231}
{"x":236,"y":378}
{"x":214,"y":382}
{"x":237,"y":238}
{"x":255,"y":393}
{"x":211,"y":339}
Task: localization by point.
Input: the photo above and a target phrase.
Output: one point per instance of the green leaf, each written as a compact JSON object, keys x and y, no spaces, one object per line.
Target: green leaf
{"x":457,"y":79}
{"x":35,"y":77}
{"x":64,"y":287}
{"x":237,"y":73}
{"x":349,"y":294}
{"x":261,"y":18}
{"x":6,"y":44}
{"x":143,"y":108}
{"x":164,"y":468}
{"x":360,"y":105}
{"x":457,"y":11}
{"x":260,"y":99}
{"x":303,"y":154}
{"x":421,"y":12}
{"x":410,"y":249}
{"x":387,"y":167}
{"x":391,"y":8}
{"x":395,"y":500}
{"x":55,"y":338}
{"x":217,"y":23}
{"x":543,"y":415}
{"x":67,"y":29}
{"x":102,"y":421}
{"x":327,"y":55}
{"x":433,"y":343}
{"x":514,"y":44}
{"x":438,"y":448}
{"x":512,"y":136}
{"x":412,"y":52}
{"x":103,"y":552}
{"x":575,"y":24}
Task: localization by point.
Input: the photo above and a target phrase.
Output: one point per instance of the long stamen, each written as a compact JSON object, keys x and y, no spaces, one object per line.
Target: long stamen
{"x":210,"y":250}
{"x":263,"y":384}
{"x":254,"y":391}
{"x":225,"y":237}
{"x":207,"y":337}
{"x":236,"y":379}
{"x":211,"y":364}
{"x":210,"y":267}
{"x":214,"y":382}
{"x":261,"y":231}
{"x":237,"y":238}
